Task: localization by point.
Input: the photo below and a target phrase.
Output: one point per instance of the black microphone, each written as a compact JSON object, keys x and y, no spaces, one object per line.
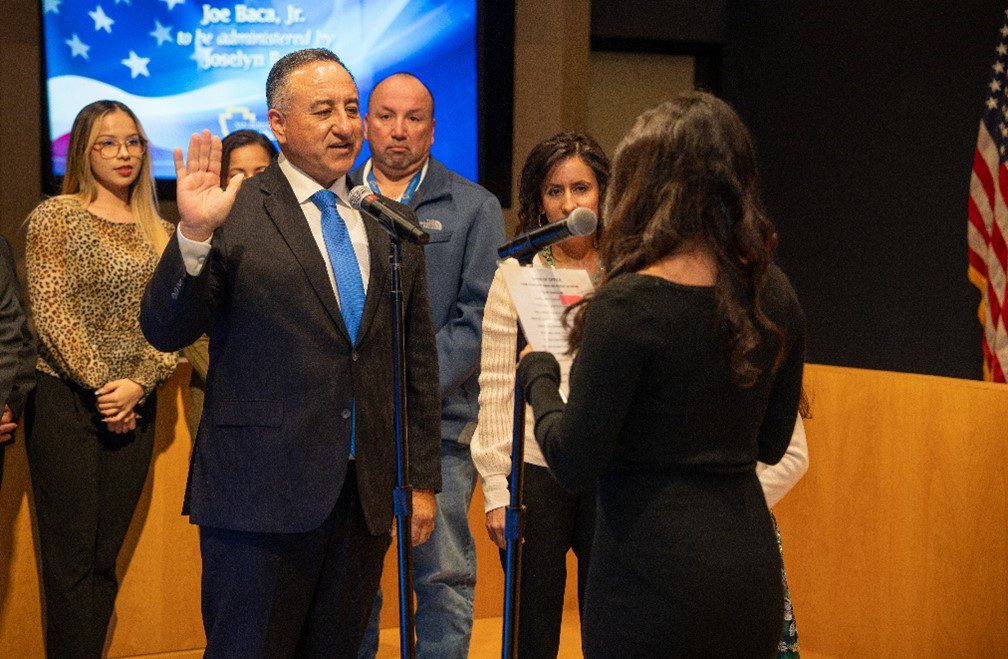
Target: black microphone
{"x":395,"y":216}
{"x":581,"y":222}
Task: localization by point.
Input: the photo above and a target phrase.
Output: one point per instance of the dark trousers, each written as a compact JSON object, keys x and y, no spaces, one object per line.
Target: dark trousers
{"x":86,"y":482}
{"x":555,"y":522}
{"x":292,"y":594}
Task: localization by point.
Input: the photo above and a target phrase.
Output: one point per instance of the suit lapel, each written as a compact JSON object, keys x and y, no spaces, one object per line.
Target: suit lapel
{"x":283,"y":208}
{"x":378,"y":249}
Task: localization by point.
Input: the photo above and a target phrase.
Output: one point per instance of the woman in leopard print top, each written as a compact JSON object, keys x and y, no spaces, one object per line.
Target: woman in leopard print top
{"x":90,"y":252}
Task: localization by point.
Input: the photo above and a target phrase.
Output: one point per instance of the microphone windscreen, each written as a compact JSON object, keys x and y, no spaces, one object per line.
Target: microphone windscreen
{"x":581,"y":222}
{"x":358,"y":194}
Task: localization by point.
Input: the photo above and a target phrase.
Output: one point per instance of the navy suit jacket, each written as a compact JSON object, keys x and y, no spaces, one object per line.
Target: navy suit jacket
{"x":272,"y":448}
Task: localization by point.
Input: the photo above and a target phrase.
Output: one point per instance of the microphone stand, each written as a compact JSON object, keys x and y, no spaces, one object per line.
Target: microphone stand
{"x":514,"y":514}
{"x":402,"y":496}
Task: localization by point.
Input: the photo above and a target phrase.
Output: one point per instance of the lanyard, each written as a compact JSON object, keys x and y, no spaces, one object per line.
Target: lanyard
{"x":407,"y":194}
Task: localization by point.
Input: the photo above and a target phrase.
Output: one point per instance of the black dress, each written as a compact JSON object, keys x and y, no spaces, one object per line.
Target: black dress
{"x":684,"y":562}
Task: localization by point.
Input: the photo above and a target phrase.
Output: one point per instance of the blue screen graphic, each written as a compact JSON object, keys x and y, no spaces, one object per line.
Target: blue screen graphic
{"x":186,"y":65}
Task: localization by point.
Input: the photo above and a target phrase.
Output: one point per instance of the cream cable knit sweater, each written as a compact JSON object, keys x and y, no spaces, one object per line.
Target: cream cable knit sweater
{"x":491,"y":442}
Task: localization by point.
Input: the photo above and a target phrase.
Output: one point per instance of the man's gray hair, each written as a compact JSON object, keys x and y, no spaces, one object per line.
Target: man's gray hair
{"x":276,"y":81}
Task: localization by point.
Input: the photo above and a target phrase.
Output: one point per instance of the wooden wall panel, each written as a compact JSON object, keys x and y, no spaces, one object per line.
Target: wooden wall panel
{"x":157,"y":611}
{"x":896,"y":541}
{"x":158,"y":605}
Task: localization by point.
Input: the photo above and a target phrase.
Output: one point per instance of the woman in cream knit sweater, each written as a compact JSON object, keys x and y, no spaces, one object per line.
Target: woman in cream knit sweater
{"x":561,"y":173}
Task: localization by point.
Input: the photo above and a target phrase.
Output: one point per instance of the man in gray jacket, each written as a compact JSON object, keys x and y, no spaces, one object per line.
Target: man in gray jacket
{"x":465,"y":224}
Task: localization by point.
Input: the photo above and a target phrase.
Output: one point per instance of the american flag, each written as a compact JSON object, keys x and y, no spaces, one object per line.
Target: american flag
{"x":987,"y":228}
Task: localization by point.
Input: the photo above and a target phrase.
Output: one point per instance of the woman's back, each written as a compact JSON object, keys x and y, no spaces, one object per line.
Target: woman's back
{"x":687,"y":414}
{"x":683,"y":547}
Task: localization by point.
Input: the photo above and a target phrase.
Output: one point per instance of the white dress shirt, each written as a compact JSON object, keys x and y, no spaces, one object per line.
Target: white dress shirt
{"x":194,"y":253}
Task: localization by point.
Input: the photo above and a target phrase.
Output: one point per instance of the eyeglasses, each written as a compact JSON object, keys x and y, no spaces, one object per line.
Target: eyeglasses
{"x":108,"y":148}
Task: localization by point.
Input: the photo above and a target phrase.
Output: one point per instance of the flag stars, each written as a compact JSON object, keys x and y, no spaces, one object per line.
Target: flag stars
{"x":51,"y":6}
{"x":137,"y":65}
{"x":1004,"y":30}
{"x":161,"y":32}
{"x":171,"y":3}
{"x":1002,"y":49}
{"x":995,"y":85}
{"x":999,"y":67}
{"x":101,"y":20}
{"x":77,"y":47}
{"x":991,"y":103}
{"x":201,"y":54}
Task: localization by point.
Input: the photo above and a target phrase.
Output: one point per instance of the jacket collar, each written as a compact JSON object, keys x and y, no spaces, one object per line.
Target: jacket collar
{"x":435,"y":185}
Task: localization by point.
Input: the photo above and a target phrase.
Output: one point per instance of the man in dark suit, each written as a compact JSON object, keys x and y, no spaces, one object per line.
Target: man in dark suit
{"x":17,"y":351}
{"x":294,"y":465}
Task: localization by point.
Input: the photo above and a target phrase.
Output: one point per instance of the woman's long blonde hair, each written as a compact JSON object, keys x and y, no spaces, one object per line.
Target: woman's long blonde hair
{"x":79,"y":182}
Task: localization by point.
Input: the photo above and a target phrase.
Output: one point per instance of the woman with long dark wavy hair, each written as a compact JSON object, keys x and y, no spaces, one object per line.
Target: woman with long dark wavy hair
{"x":688,"y":371}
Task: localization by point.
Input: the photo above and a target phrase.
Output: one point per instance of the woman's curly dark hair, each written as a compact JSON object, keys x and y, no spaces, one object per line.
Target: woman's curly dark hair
{"x":686,"y":176}
{"x":541,"y":159}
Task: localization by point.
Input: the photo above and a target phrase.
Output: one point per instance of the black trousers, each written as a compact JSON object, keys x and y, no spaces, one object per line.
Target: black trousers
{"x":86,"y":481}
{"x":292,"y":594}
{"x":555,"y":522}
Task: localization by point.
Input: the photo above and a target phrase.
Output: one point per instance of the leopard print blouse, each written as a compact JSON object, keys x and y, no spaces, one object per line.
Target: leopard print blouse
{"x":86,"y":276}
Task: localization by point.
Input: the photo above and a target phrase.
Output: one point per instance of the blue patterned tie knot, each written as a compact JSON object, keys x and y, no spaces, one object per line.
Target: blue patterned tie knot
{"x":324,"y":199}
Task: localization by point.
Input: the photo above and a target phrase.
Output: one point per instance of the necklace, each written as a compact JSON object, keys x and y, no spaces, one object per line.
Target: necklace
{"x":547,"y":254}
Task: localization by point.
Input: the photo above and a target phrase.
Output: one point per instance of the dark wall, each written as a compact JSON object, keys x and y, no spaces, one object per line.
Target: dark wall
{"x":681,"y":21}
{"x":865,"y":115}
{"x":19,"y":130}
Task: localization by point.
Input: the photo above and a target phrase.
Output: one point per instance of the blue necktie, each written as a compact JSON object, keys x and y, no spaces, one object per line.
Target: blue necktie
{"x":349,"y":284}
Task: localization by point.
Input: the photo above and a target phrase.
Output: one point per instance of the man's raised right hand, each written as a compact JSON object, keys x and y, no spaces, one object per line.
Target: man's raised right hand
{"x":202,"y":203}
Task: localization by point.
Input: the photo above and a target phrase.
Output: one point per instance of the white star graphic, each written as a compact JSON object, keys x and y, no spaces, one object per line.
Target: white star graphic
{"x":50,"y":6}
{"x":171,"y":3}
{"x":161,"y":32}
{"x":1004,"y":30}
{"x":137,"y":65}
{"x":200,"y":54}
{"x":101,"y":21}
{"x":998,"y":67}
{"x":995,"y":85}
{"x":991,"y":103}
{"x":1002,"y":49}
{"x":77,"y":47}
